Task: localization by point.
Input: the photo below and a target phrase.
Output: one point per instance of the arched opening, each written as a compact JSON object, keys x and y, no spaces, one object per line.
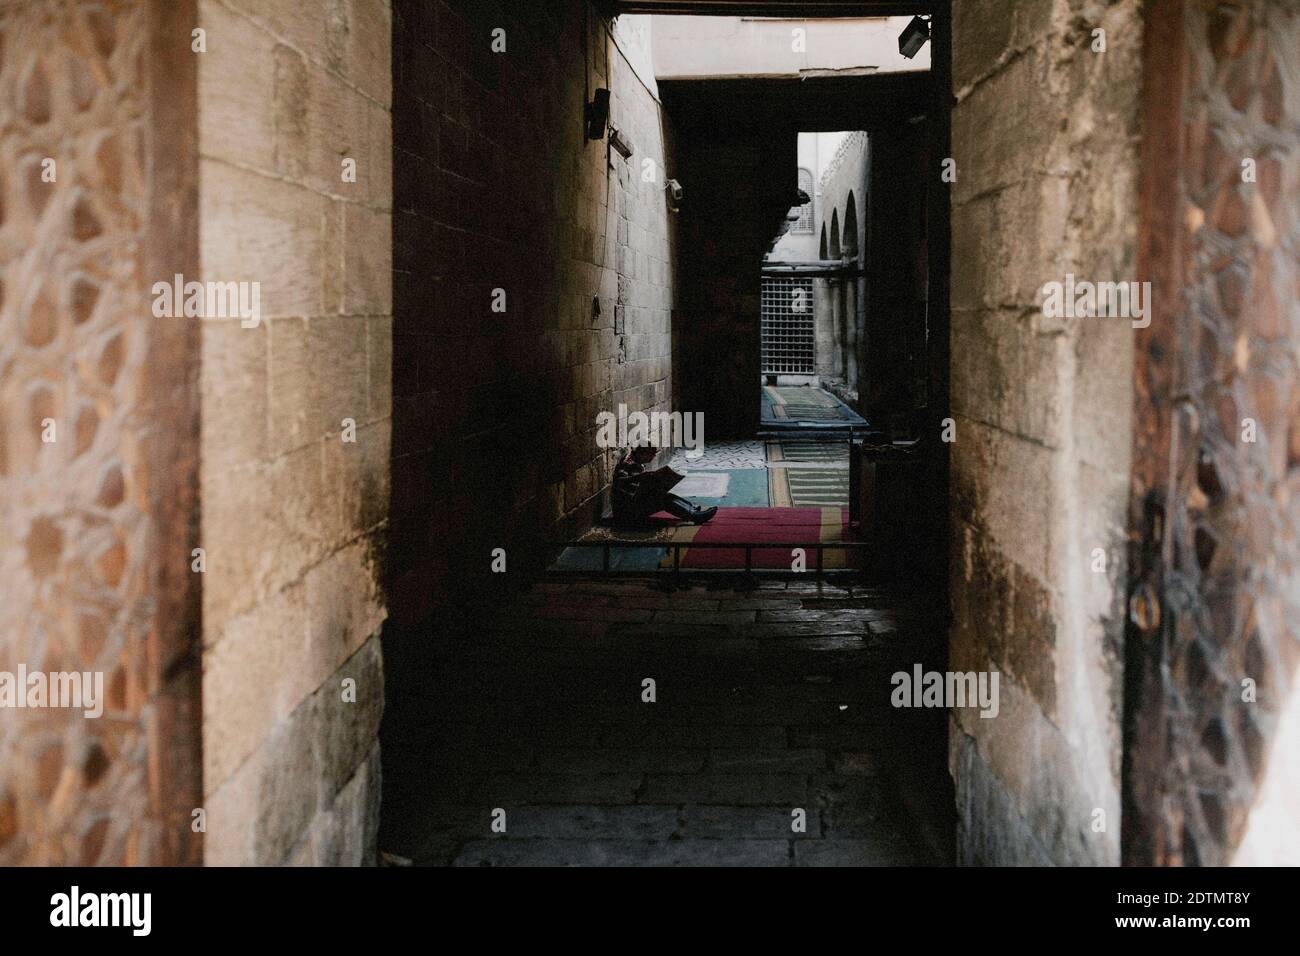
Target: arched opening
{"x":850,"y":240}
{"x":804,"y":225}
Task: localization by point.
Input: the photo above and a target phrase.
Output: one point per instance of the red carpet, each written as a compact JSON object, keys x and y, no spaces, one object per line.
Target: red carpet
{"x":756,"y":525}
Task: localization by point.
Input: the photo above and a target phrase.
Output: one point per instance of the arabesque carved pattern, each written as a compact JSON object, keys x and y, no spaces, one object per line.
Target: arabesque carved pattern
{"x":73,"y":339}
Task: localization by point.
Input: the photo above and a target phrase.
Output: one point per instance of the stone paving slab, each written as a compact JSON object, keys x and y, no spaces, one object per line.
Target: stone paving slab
{"x":853,"y":853}
{"x":769,"y":699}
{"x":741,"y":789}
{"x":503,"y":790}
{"x":590,"y":760}
{"x":638,"y":853}
{"x":592,"y":822}
{"x":707,"y":617}
{"x":747,"y":823}
{"x":702,"y":737}
{"x":767,"y":761}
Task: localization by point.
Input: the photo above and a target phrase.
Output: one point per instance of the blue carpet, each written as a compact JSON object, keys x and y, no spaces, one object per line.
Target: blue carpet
{"x":620,"y":559}
{"x":805,"y":409}
{"x":747,"y":488}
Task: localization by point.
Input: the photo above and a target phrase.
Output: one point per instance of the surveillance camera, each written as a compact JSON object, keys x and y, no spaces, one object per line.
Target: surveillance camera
{"x":913,"y":37}
{"x":674,"y":190}
{"x":619,"y":143}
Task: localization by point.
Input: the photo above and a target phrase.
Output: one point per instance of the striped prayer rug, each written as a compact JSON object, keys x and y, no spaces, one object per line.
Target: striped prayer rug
{"x":822,"y":482}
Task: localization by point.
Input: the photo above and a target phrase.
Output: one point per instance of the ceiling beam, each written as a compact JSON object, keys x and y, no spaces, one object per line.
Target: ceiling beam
{"x":877,"y":102}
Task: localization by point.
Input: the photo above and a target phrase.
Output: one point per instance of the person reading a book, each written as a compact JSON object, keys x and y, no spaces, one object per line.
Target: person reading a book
{"x":637,"y":493}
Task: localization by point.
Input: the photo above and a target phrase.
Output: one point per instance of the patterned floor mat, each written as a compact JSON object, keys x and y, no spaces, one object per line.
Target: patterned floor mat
{"x":803,"y":395}
{"x":822,"y":488}
{"x":801,"y":451}
{"x":808,"y":474}
{"x":751,"y":477}
{"x":804,"y":403}
{"x":741,"y":488}
{"x":720,"y":455}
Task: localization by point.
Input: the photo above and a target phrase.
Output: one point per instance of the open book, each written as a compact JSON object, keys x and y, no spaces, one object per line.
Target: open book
{"x":657,"y":482}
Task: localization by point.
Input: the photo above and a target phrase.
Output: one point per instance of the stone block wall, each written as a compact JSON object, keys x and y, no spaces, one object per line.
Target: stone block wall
{"x":1039,"y":467}
{"x":98,"y":409}
{"x":494,"y":438}
{"x":296,"y":425}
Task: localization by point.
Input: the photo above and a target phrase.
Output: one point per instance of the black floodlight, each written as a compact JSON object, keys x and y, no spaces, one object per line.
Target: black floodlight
{"x":598,"y":114}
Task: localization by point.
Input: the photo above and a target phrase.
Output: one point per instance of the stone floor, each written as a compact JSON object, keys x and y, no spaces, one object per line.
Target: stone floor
{"x":768,"y":700}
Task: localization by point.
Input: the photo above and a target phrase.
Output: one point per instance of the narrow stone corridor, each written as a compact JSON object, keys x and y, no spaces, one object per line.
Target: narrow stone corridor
{"x":330,"y":334}
{"x":767,"y":702}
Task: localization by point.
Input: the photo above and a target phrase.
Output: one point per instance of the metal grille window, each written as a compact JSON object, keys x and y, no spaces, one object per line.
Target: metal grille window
{"x":805,"y":222}
{"x":786,"y":308}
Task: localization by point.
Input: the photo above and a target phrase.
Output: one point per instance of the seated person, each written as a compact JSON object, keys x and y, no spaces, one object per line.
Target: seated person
{"x":637,"y":494}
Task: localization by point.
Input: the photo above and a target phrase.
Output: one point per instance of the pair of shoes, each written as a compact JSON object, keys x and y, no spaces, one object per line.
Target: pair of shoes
{"x":703,"y":515}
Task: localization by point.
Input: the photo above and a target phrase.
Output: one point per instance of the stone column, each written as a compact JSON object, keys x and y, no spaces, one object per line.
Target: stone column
{"x":824,"y":334}
{"x":851,"y":332}
{"x":836,"y":296}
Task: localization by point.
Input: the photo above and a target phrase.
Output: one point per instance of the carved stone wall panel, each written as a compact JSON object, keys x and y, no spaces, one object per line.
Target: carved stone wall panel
{"x":78,"y":539}
{"x":1230,"y":571}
